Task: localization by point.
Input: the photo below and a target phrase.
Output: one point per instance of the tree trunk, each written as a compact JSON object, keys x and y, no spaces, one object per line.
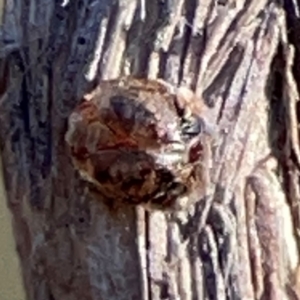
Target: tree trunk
{"x":241,"y":241}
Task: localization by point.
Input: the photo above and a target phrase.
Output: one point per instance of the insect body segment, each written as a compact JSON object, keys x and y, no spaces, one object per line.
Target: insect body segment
{"x":132,"y":139}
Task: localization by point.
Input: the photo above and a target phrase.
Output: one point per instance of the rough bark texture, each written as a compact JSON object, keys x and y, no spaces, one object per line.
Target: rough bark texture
{"x":242,"y":57}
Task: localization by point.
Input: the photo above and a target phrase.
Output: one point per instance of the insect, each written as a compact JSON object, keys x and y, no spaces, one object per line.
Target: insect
{"x":137,"y":141}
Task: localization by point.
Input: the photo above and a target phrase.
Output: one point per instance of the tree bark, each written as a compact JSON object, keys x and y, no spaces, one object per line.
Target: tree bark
{"x":239,"y":242}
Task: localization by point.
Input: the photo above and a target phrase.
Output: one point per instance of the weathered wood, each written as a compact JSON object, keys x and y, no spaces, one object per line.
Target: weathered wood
{"x":240,"y":242}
